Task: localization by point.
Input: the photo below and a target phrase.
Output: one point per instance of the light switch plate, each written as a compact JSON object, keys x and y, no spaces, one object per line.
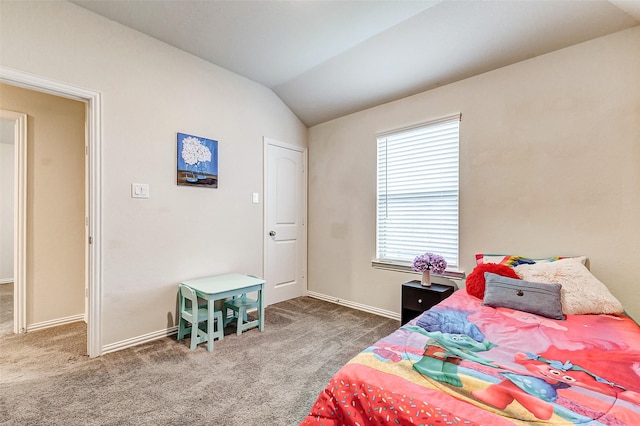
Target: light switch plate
{"x":255,"y":198}
{"x":139,"y":190}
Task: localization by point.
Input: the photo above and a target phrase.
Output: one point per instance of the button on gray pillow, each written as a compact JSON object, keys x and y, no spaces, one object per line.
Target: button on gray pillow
{"x":536,"y":298}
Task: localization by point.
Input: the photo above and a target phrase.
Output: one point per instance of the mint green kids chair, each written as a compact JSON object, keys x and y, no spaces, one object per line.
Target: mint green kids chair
{"x":240,"y":305}
{"x":191,"y":315}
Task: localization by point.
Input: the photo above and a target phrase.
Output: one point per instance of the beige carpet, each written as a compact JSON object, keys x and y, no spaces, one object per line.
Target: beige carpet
{"x":269,"y":378}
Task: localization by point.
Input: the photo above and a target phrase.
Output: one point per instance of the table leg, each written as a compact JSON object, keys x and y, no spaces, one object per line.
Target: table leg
{"x":210,"y":307}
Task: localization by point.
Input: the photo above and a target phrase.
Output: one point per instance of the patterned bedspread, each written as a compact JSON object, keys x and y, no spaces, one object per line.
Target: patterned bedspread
{"x":464,"y":363}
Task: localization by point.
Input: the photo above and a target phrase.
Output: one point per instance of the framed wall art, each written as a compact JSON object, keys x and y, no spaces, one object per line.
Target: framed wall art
{"x":197,"y":161}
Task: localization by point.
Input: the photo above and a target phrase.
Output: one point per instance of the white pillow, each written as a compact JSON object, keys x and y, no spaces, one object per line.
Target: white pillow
{"x":581,"y":293}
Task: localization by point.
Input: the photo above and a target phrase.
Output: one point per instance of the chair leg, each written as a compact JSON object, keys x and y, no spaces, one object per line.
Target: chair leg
{"x":214,"y":330}
{"x":183,"y":329}
{"x":198,"y":334}
{"x":230,"y":318}
{"x":242,"y":318}
{"x":194,"y":336}
{"x":180,"y":329}
{"x":219,"y":333}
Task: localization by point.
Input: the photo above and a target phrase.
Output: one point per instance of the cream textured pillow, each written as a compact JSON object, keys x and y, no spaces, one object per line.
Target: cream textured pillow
{"x":582,"y":293}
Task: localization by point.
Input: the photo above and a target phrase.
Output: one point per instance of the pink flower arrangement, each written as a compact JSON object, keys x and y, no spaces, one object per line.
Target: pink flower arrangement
{"x":429,"y":262}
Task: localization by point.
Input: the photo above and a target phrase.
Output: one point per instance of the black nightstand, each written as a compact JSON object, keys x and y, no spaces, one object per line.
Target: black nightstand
{"x":416,"y":299}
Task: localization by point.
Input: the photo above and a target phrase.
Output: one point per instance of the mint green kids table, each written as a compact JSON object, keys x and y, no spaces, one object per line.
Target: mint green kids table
{"x":224,"y":286}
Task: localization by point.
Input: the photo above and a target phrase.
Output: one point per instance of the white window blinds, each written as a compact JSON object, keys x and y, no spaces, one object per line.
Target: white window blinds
{"x":418,"y":192}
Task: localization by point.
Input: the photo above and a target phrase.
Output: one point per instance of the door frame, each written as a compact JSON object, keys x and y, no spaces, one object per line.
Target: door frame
{"x":93,"y":185}
{"x":19,"y":214}
{"x":265,"y":237}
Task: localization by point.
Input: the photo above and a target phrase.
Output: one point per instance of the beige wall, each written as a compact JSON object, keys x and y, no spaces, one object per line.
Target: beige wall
{"x":55,"y":202}
{"x":549,"y":165}
{"x":150,"y":91}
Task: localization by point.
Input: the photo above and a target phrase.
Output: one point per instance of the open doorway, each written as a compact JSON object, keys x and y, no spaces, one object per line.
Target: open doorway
{"x":48,"y":202}
{"x":89,"y":219}
{"x":11,"y":124}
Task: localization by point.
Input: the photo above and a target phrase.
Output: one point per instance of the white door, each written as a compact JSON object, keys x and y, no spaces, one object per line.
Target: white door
{"x":285,"y":222}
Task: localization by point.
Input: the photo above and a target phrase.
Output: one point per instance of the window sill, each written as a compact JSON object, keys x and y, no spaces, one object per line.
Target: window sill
{"x":406,"y":267}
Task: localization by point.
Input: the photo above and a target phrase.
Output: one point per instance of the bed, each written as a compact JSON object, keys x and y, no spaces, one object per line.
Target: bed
{"x":499,"y":357}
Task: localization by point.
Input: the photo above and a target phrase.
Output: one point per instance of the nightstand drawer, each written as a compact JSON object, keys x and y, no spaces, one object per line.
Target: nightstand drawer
{"x":417,"y":299}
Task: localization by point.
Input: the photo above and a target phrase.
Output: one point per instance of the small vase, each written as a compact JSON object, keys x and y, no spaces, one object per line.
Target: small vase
{"x":190,"y":173}
{"x":426,"y":278}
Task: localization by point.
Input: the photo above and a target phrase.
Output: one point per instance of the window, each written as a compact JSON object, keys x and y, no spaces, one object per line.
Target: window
{"x":418,"y":193}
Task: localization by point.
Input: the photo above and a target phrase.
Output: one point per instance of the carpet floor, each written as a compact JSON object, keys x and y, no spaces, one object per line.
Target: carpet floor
{"x":268,"y":378}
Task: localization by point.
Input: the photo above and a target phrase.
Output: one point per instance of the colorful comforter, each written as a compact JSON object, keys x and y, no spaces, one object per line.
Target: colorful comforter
{"x":465,"y":363}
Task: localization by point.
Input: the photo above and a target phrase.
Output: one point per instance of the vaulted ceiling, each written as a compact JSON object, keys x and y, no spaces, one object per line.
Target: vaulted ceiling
{"x":326,"y":59}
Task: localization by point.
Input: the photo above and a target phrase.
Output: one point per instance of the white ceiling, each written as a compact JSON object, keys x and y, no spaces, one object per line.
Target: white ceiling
{"x":326,"y":59}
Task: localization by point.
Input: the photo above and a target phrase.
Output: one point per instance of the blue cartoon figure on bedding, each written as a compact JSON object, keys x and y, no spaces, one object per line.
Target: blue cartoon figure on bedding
{"x":452,"y":338}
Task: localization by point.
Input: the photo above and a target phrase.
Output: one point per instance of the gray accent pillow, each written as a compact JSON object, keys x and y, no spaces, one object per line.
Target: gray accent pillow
{"x":536,"y":298}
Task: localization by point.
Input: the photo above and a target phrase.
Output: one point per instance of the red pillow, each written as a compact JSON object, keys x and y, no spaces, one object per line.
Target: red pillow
{"x":475,"y":281}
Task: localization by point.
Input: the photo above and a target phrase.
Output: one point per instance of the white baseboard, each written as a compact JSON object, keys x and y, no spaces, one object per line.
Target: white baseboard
{"x":138,"y":340}
{"x":6,"y":280}
{"x":55,"y":322}
{"x":355,"y":305}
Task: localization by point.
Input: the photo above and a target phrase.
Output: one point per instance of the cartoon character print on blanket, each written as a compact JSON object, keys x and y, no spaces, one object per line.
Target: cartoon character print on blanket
{"x":452,"y":338}
{"x":538,"y":389}
{"x":462,"y":362}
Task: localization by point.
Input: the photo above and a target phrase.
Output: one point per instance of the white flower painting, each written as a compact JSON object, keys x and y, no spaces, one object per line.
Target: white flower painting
{"x":197,"y":161}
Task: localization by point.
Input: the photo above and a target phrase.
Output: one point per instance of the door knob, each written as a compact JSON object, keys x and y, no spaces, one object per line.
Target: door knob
{"x":272,"y":233}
